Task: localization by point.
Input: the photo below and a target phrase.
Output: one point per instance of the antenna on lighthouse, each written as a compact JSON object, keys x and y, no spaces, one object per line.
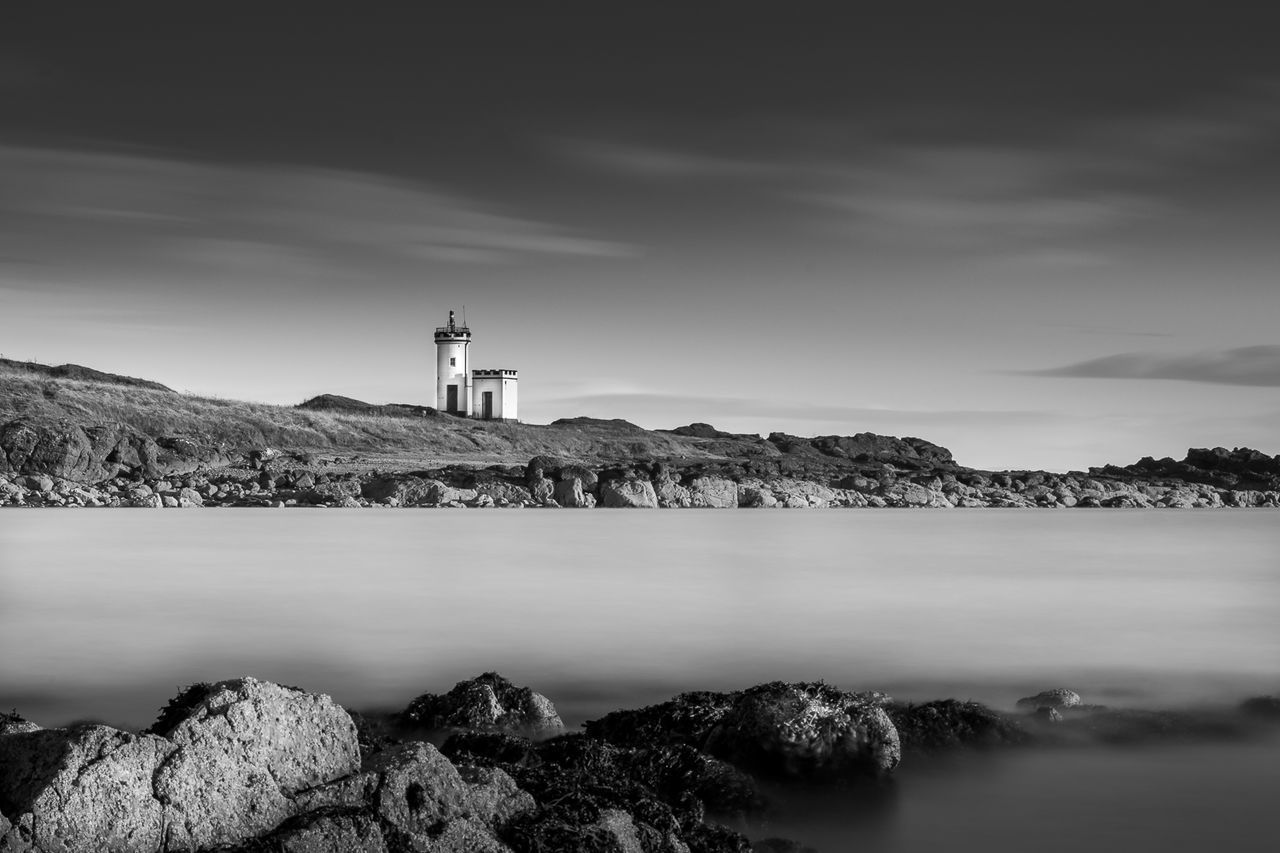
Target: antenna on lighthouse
{"x":464,"y":313}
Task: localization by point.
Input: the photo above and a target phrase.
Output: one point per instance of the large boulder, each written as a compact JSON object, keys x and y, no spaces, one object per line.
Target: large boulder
{"x":97,"y":452}
{"x":488,"y":702}
{"x":628,"y":494}
{"x":84,"y":789}
{"x":806,"y":731}
{"x":243,"y":749}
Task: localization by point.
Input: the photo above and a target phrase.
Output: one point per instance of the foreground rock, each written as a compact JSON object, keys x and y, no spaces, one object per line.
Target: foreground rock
{"x":592,"y":795}
{"x":813,"y":732}
{"x":246,"y":766}
{"x":807,"y":731}
{"x":223,"y":767}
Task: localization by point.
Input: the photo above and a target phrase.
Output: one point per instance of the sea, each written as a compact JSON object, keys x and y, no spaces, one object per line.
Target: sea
{"x":104,"y":615}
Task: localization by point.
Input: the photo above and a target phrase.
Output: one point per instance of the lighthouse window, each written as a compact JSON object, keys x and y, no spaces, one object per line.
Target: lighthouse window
{"x":453,"y":362}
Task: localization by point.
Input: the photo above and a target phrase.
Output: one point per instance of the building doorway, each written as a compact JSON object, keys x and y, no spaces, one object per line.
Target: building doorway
{"x":451,"y":399}
{"x":487,"y":406}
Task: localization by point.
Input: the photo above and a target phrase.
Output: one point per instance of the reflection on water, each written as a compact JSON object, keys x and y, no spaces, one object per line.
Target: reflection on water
{"x":106,"y":613}
{"x":1171,"y":798}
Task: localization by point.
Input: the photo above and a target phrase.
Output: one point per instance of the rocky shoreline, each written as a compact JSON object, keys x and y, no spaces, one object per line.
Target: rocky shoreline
{"x":271,"y":479}
{"x":245,"y":766}
{"x":74,"y":437}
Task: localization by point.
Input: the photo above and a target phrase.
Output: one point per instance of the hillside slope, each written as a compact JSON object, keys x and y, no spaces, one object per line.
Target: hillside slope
{"x":92,"y":429}
{"x":80,"y":429}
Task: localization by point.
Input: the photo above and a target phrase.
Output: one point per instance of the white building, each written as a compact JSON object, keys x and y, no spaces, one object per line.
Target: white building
{"x":491,"y":395}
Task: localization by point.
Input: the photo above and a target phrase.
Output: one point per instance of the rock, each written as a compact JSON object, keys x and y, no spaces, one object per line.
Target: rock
{"x":419,"y":788}
{"x":756,"y":496}
{"x":15,"y":724}
{"x":191,"y":496}
{"x":686,"y":719}
{"x":486,"y":703}
{"x":628,"y":494}
{"x":590,"y":480}
{"x":622,"y":829}
{"x":495,"y":798}
{"x":442,"y":494}
{"x":170,"y":502}
{"x":89,"y":454}
{"x":339,"y":833}
{"x":905,"y":493}
{"x":349,"y":792}
{"x":542,"y":490}
{"x":1059,"y":697}
{"x":713,"y":492}
{"x":87,"y":789}
{"x":1046,"y":714}
{"x":806,"y":731}
{"x":464,"y":836}
{"x":949,"y":723}
{"x":1266,"y":707}
{"x":36,"y":483}
{"x":569,"y":493}
{"x":578,"y":780}
{"x":244,"y":748}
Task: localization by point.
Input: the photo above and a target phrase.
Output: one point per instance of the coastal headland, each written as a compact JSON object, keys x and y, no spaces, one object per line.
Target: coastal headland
{"x":74,"y":436}
{"x":244,"y":766}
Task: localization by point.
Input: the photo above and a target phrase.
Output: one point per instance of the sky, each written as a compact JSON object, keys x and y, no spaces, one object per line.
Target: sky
{"x":1041,"y":235}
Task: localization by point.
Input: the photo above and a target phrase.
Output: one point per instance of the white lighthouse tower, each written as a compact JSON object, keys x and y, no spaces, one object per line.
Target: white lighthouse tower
{"x":453,"y":373}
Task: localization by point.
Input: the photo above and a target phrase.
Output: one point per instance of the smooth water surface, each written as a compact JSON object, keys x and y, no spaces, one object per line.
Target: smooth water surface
{"x":103,"y":614}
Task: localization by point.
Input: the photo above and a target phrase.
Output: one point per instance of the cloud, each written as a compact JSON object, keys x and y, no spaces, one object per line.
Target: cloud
{"x":1257,"y":366}
{"x":1055,"y":199}
{"x":647,"y":161}
{"x":949,"y":196}
{"x":85,"y":208}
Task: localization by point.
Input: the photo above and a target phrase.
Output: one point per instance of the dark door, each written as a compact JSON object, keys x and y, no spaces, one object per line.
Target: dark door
{"x":488,"y":405}
{"x":451,"y":400}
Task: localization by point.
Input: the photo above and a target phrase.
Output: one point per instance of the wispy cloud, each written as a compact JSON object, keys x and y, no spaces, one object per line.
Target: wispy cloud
{"x":972,"y":196}
{"x":650,"y":161}
{"x":65,"y":205}
{"x":1048,"y":201}
{"x":1257,"y":366}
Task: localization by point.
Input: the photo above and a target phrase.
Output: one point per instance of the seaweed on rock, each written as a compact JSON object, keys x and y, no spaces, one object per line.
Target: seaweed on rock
{"x":179,"y":708}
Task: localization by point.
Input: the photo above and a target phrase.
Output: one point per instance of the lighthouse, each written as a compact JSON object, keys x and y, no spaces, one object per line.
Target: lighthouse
{"x":490,"y":395}
{"x":453,"y":375}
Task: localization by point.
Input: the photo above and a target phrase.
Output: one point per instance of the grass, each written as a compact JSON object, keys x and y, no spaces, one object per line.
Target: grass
{"x":402,"y":441}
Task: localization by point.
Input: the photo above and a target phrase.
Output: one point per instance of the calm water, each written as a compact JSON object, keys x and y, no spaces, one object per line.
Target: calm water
{"x":104,"y":614}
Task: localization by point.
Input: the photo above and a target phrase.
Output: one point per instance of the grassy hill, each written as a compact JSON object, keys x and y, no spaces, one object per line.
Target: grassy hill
{"x":45,"y":399}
